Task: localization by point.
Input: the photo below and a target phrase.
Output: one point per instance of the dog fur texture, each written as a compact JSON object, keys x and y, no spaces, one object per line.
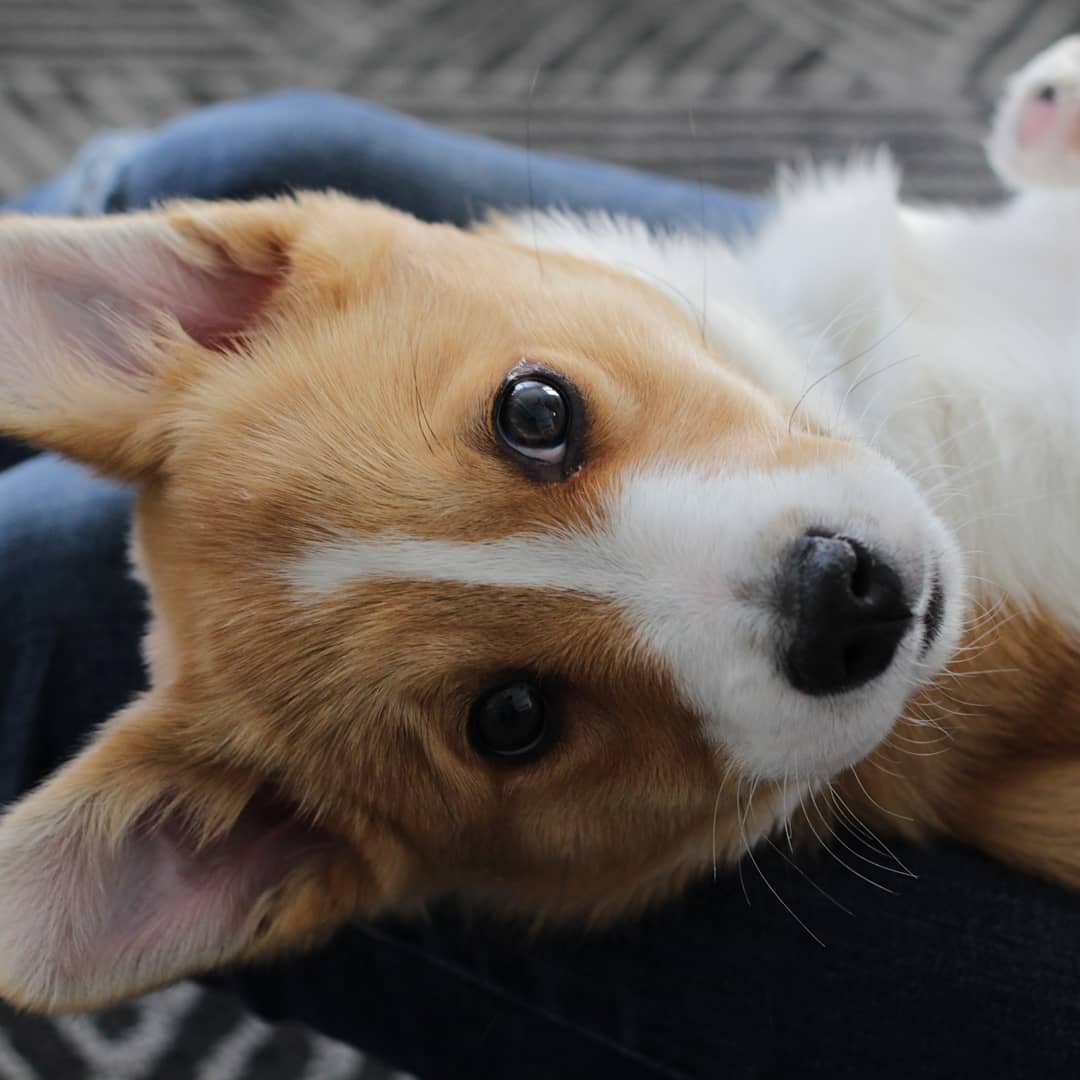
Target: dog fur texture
{"x":340,"y":557}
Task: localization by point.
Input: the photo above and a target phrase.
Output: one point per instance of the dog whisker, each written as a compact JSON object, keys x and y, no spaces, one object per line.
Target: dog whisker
{"x":704,"y":309}
{"x":853,"y":771}
{"x":825,"y":842}
{"x":845,"y":364}
{"x":863,"y":832}
{"x":764,"y":878}
{"x":529,"y":167}
{"x":807,"y":878}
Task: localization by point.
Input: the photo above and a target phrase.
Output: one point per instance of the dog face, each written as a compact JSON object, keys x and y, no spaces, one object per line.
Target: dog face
{"x":472,"y":570}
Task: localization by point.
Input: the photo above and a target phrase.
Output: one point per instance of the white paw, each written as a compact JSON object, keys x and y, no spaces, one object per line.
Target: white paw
{"x":1035,"y":138}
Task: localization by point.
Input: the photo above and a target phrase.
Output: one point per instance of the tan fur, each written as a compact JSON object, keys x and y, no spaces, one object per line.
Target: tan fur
{"x":381,"y":702}
{"x":360,"y":723}
{"x":377,"y":354}
{"x":990,"y":754}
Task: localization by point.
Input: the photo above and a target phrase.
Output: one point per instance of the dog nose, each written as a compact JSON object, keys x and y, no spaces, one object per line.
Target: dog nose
{"x":847,"y":609}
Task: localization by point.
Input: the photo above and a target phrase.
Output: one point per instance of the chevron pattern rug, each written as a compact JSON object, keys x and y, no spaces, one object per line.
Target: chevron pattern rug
{"x":764,"y":80}
{"x":713,"y":89}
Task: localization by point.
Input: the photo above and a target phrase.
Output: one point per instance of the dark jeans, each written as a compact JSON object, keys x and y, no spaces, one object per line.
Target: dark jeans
{"x":967,"y":970}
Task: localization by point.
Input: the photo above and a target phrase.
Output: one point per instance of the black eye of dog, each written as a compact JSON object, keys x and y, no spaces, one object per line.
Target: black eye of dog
{"x":1047,"y":94}
{"x":534,"y":418}
{"x":539,"y":420}
{"x":514,"y":723}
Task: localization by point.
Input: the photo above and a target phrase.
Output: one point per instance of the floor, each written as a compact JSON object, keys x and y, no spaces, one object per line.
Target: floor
{"x":764,"y":80}
{"x":717,"y":89}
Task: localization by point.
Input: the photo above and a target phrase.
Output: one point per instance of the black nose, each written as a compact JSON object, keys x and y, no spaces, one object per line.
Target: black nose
{"x":846,"y":613}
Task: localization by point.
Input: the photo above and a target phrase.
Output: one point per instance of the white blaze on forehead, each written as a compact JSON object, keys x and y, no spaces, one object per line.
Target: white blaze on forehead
{"x":571,"y":561}
{"x":701,"y":535}
{"x":688,"y":559}
{"x":662,"y":530}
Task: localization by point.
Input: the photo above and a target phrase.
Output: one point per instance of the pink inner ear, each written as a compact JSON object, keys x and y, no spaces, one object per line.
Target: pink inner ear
{"x":77,"y":295}
{"x":167,"y":897}
{"x":83,"y":922}
{"x":215,"y":309}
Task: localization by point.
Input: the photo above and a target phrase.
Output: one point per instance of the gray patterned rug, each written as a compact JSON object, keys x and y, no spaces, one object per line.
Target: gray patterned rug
{"x":764,"y":80}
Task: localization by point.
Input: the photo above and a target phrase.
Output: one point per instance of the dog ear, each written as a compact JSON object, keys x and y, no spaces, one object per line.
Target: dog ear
{"x":100,"y":318}
{"x":134,"y":866}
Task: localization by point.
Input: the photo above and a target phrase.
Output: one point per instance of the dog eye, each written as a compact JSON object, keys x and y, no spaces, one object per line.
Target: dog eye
{"x":513,"y":723}
{"x":539,"y":421}
{"x":533,"y":418}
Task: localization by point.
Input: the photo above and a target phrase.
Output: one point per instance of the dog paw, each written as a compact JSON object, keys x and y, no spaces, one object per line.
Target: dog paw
{"x":1035,"y":137}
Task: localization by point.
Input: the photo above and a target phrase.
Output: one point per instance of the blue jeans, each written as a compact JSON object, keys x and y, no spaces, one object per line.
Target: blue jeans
{"x":966,"y":970}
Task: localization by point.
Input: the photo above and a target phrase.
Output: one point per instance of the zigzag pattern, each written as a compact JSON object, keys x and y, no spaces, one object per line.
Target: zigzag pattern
{"x":767,"y":81}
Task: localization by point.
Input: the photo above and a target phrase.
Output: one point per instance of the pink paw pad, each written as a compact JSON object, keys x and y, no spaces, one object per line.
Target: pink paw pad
{"x":1038,"y":118}
{"x":1035,"y":139}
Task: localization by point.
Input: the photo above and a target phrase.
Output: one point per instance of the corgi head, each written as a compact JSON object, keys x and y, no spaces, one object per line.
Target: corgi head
{"x":472,"y":571}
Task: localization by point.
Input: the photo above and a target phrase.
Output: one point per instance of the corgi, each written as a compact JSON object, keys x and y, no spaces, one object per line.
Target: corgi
{"x":550,"y":563}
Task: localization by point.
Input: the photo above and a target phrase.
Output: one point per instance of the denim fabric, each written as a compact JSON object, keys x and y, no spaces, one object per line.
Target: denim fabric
{"x":70,"y":614}
{"x":297,"y":139}
{"x":966,"y":970}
